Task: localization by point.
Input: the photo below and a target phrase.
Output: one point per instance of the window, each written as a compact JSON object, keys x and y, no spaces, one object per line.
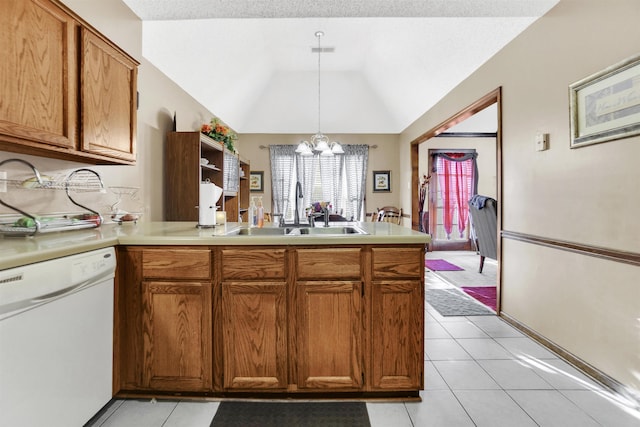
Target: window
{"x":338,"y":179}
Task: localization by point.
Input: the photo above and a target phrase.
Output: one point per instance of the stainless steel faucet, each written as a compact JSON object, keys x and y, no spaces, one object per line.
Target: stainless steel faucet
{"x":314,"y":215}
{"x":296,"y":219}
{"x":326,"y":216}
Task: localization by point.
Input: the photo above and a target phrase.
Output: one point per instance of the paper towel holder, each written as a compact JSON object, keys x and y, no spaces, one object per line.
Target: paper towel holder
{"x":209,"y":195}
{"x":198,"y":225}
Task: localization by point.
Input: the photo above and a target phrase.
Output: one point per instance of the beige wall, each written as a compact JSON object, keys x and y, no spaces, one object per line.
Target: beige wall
{"x":589,"y":306}
{"x":384,"y":157}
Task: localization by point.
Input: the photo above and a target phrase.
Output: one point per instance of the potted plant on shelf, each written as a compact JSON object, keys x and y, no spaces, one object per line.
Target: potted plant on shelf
{"x":217,"y":130}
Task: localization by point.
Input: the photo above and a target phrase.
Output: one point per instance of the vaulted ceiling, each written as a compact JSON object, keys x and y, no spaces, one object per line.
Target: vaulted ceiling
{"x":251,"y":63}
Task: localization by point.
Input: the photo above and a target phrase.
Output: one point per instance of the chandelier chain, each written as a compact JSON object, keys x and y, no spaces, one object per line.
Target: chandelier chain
{"x":319,"y":143}
{"x":319,"y":34}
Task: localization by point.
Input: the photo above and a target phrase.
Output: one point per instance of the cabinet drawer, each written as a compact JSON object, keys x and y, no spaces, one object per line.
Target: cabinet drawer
{"x":248,"y":264}
{"x":176,"y":263}
{"x":397,"y":262}
{"x":329,"y":263}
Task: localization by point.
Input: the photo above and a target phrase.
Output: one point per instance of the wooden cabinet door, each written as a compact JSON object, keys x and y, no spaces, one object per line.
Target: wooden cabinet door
{"x":255,"y":335}
{"x":37,"y":75}
{"x":108,"y":99}
{"x":177,"y":335}
{"x":397,"y":339}
{"x":397,"y":318}
{"x":329,"y":335}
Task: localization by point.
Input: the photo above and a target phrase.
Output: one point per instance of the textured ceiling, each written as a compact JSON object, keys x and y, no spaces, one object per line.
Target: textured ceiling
{"x":250,"y":62}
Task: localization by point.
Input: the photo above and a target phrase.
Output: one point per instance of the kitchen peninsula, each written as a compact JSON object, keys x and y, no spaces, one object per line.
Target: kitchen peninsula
{"x":214,"y":313}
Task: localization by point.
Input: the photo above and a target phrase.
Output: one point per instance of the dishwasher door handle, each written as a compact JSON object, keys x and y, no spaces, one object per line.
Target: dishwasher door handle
{"x":59,"y":292}
{"x":70,"y":289}
{"x":11,"y":309}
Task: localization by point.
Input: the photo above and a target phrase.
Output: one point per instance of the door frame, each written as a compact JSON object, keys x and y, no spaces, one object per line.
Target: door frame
{"x":493,"y":97}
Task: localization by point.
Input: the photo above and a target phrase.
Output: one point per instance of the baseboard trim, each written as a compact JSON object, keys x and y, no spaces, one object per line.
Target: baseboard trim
{"x":592,"y":372}
{"x":632,"y":258}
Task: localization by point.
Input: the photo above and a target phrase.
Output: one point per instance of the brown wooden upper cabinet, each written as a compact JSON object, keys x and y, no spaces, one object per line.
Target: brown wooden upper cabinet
{"x":67,"y":91}
{"x":107,"y":99}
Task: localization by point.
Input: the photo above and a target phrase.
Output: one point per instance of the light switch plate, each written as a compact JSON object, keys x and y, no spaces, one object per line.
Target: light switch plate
{"x":542,"y":141}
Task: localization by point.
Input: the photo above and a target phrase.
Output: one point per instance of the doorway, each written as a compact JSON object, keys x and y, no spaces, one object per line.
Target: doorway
{"x":448,"y":133}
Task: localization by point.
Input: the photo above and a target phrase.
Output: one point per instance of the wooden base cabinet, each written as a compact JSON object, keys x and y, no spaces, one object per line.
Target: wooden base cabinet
{"x":254,"y":319}
{"x":329,"y":319}
{"x":255,"y":338}
{"x":329,"y":329}
{"x":397,"y":319}
{"x":396,"y":335}
{"x":177,"y":335}
{"x":251,"y":320}
{"x":163,"y":327}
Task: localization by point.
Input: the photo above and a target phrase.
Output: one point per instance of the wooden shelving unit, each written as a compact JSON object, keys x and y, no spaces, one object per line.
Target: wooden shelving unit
{"x":184,"y":172}
{"x":244,"y":189}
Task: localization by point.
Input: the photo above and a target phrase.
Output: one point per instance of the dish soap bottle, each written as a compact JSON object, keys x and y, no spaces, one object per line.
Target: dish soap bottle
{"x":253,"y":214}
{"x":260,"y":213}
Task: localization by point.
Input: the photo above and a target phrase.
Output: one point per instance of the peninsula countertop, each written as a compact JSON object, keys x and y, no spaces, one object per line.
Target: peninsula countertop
{"x":18,"y":251}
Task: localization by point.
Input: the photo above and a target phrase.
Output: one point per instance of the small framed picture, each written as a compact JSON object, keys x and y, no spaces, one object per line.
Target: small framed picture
{"x":256,"y":179}
{"x":382,"y":181}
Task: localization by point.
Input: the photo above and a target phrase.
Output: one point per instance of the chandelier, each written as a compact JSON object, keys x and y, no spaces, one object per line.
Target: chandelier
{"x":319,"y":142}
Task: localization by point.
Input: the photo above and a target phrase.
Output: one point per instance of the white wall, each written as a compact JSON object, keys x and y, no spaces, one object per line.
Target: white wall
{"x":588,"y":196}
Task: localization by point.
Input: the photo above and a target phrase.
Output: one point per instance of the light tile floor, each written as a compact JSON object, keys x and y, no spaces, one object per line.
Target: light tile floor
{"x":479,"y":371}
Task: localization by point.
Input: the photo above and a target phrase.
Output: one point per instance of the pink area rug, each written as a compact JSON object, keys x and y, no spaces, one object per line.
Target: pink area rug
{"x":440,"y":265}
{"x":484,"y":294}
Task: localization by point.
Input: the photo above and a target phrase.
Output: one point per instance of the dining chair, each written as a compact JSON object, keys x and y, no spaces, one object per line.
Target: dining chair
{"x":389,"y":214}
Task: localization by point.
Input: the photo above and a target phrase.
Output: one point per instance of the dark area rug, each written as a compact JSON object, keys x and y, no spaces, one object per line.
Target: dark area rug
{"x":484,"y":294}
{"x":294,"y":414}
{"x":440,"y":265}
{"x":453,"y":302}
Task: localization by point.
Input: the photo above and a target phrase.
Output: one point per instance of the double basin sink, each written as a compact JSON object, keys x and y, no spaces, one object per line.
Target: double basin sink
{"x":298,"y":231}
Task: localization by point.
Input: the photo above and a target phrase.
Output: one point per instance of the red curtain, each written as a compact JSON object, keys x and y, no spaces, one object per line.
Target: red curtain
{"x":456,"y":181}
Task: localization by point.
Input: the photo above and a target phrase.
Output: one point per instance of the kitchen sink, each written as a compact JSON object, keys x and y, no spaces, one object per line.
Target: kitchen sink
{"x":269,"y":231}
{"x":298,"y":231}
{"x":325,"y":231}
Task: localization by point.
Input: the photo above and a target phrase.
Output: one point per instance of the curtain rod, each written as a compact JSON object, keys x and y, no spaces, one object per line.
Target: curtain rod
{"x":264,"y":147}
{"x":451,"y":150}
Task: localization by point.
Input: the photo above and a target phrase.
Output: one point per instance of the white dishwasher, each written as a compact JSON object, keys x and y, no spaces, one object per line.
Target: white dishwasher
{"x":56,"y":340}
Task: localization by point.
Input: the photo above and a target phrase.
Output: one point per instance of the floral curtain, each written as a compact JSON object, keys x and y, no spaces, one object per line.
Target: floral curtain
{"x":458,"y":181}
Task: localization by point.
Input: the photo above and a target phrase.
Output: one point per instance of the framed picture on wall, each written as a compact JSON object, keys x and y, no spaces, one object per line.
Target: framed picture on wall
{"x":606,"y":105}
{"x":256,"y":179}
{"x":382,"y":181}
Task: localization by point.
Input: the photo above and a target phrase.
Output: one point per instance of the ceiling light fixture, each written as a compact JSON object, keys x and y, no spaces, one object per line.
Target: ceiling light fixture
{"x":319,"y":142}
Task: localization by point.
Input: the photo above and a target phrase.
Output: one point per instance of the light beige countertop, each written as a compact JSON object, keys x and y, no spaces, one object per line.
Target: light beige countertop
{"x":17,"y":251}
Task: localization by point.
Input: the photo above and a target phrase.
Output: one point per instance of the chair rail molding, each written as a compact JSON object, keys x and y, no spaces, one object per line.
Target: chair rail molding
{"x":625,"y":257}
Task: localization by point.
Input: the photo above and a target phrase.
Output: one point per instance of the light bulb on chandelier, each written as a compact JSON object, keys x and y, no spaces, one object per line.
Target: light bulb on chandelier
{"x":319,"y":142}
